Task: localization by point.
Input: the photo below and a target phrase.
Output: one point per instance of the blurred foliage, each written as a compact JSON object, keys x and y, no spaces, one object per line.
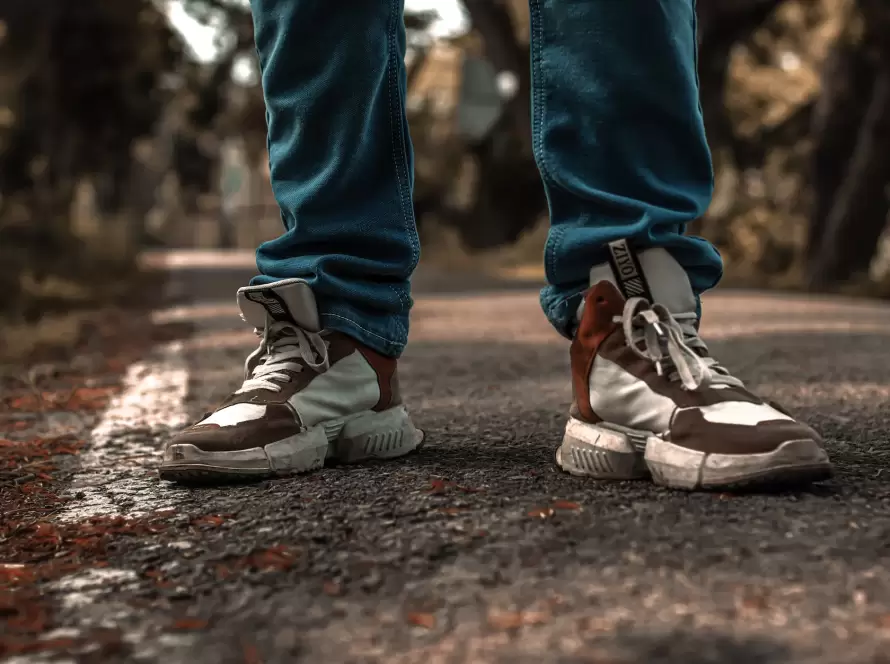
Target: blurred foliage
{"x":796,"y":96}
{"x":81,"y":85}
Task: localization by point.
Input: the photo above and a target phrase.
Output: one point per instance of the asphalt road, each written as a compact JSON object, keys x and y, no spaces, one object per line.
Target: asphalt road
{"x":477,"y":549}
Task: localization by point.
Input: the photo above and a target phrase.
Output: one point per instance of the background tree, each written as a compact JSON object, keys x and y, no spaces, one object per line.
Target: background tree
{"x":105,"y":94}
{"x":851,"y":159}
{"x":82,"y":84}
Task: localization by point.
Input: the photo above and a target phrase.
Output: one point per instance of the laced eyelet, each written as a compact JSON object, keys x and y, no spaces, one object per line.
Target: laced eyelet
{"x":654,"y":334}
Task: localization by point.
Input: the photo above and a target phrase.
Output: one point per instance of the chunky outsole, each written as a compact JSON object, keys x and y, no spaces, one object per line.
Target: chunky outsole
{"x":360,"y":437}
{"x":609,"y":452}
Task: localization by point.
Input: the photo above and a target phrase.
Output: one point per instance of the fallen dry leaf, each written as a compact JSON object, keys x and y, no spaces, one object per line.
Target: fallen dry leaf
{"x":754,"y":600}
{"x":187,"y":624}
{"x":427,"y":620}
{"x":15,"y":573}
{"x":81,"y":398}
{"x":276,"y":557}
{"x":516,"y":619}
{"x":213,"y":520}
{"x":566,"y":505}
{"x":541,"y":512}
{"x":251,"y":653}
{"x":45,"y":645}
{"x":332,"y":588}
{"x":438,"y":486}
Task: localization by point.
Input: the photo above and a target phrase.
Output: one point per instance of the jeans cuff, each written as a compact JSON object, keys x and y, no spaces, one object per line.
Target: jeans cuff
{"x":387,"y":335}
{"x":561,"y":309}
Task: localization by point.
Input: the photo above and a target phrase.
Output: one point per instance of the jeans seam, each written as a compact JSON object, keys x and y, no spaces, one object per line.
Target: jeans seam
{"x":695,"y":56}
{"x":539,"y":108}
{"x":363,"y":329}
{"x":556,"y":235}
{"x":398,"y":144}
{"x":538,"y":96}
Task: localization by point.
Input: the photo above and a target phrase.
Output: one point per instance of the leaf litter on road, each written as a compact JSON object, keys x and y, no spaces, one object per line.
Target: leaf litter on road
{"x":507,"y":620}
{"x":559,"y":505}
{"x":439,"y":486}
{"x":425,"y":620}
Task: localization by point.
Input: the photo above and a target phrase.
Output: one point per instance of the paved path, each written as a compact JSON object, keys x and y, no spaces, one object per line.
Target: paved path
{"x":477,"y":549}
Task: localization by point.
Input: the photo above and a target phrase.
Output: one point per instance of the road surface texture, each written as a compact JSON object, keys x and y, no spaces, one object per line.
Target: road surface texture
{"x":475,"y":549}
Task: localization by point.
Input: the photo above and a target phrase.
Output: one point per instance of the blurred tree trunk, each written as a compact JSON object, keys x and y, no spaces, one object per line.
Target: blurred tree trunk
{"x":509,"y":196}
{"x":723,"y":24}
{"x":495,"y":24}
{"x":851,"y":159}
{"x":80,"y":81}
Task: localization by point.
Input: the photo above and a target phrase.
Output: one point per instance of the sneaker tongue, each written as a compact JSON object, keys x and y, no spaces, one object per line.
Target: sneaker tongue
{"x":652,"y":274}
{"x":290,"y":300}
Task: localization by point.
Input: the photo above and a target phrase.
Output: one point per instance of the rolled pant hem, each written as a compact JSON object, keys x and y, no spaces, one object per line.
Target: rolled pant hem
{"x":344,"y":320}
{"x":561,"y":311}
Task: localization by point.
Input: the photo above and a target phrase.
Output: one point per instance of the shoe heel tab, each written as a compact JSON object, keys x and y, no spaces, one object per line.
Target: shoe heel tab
{"x":386,"y":369}
{"x":602,"y":303}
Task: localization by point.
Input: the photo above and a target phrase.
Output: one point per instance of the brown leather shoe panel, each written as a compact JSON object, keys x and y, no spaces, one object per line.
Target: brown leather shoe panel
{"x":691,"y":430}
{"x":277,"y":424}
{"x":602,"y":303}
{"x":387,"y":377}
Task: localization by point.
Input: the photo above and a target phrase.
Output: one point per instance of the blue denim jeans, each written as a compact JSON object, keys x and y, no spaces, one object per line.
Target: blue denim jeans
{"x":617,"y":131}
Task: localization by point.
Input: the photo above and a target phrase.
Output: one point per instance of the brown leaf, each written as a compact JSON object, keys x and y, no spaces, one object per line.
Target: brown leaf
{"x":427,"y":620}
{"x":566,"y":505}
{"x":214,"y":520}
{"x":251,"y":654}
{"x":516,"y":619}
{"x":186,"y":624}
{"x":541,"y":512}
{"x":274,"y":558}
{"x":29,"y":616}
{"x":89,"y":398}
{"x":44,"y":645}
{"x":332,"y":588}
{"x":439,"y":486}
{"x":753,"y":599}
{"x":13,"y":572}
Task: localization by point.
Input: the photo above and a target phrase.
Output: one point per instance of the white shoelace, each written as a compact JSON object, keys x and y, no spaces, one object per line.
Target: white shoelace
{"x":283,"y":345}
{"x":670,"y":342}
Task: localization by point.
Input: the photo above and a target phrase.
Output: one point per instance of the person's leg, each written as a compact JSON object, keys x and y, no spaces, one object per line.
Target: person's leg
{"x":620,"y":143}
{"x":341,"y":161}
{"x":332,"y":301}
{"x":618,"y":137}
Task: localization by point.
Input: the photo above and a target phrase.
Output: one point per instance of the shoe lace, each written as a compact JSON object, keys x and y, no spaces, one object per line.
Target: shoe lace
{"x":283,"y":347}
{"x":670,"y":341}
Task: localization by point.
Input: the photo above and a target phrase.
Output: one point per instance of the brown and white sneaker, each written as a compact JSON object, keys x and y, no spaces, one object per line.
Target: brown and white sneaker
{"x":309,"y":396}
{"x":649,"y":398}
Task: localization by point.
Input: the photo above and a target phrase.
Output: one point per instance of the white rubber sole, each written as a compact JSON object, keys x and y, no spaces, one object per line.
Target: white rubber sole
{"x":609,"y":452}
{"x":368,"y":435}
